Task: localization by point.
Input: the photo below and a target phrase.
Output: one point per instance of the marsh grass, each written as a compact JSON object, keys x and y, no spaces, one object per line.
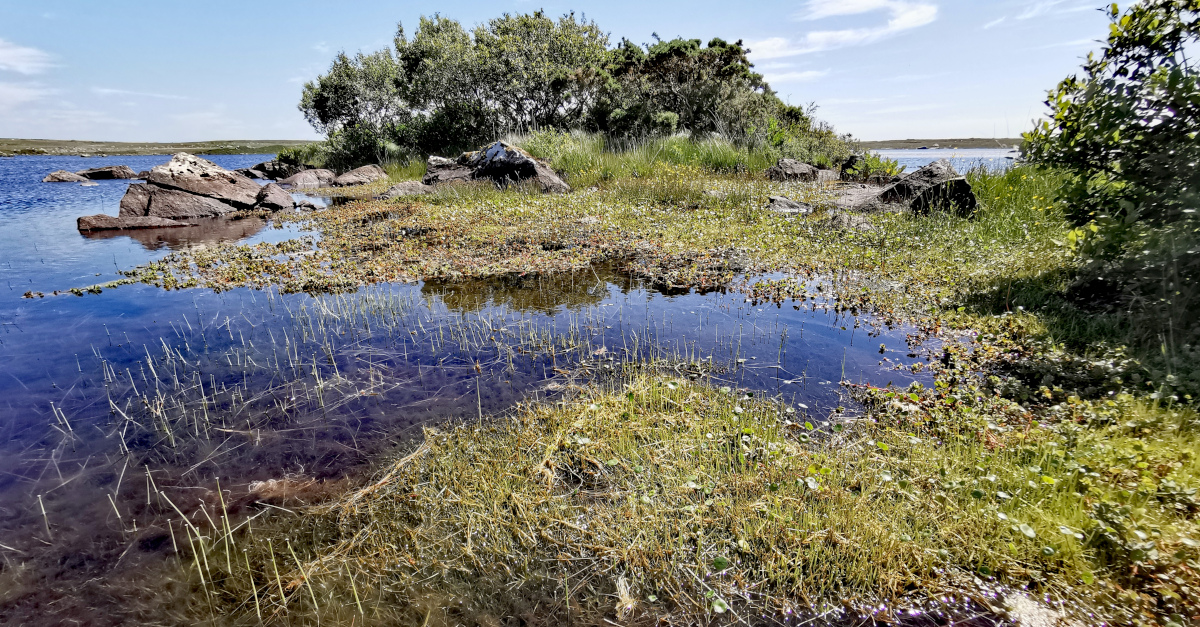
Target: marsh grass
{"x":649,"y":498}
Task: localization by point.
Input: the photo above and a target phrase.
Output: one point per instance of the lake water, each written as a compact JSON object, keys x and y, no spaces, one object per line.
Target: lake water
{"x":963,"y":159}
{"x":107,"y":399}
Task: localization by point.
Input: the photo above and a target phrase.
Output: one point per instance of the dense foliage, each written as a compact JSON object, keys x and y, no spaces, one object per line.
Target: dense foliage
{"x":446,"y":89}
{"x":1126,"y":134}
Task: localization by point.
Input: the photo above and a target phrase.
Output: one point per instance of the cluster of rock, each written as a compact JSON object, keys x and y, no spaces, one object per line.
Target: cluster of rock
{"x":106,"y":173}
{"x":500,"y":163}
{"x":934,"y":187}
{"x":188,"y":187}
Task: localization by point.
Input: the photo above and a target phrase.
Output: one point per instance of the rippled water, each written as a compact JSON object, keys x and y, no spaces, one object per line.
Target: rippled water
{"x":107,"y":398}
{"x":963,"y":159}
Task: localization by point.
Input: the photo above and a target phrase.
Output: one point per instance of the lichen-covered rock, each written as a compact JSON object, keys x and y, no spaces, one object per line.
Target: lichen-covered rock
{"x":204,"y":178}
{"x":274,"y":198}
{"x":784,"y":205}
{"x":105,"y":222}
{"x":108,"y":172}
{"x":360,"y":176}
{"x":442,"y":170}
{"x":63,"y":176}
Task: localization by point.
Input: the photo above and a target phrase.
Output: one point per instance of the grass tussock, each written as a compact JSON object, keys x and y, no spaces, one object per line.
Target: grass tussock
{"x":667,"y":500}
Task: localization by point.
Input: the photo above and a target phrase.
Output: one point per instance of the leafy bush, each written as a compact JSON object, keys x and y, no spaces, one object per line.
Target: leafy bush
{"x":870,"y":164}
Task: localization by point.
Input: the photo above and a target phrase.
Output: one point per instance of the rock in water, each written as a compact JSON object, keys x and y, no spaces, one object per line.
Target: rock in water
{"x":108,"y":172}
{"x":274,"y":198}
{"x":360,"y":176}
{"x":276,"y":169}
{"x":204,"y":178}
{"x":310,"y":179}
{"x":935,"y":186}
{"x":407,"y":188}
{"x":62,"y":176}
{"x":781,"y":204}
{"x":105,"y":222}
{"x":792,"y":170}
{"x":500,"y":162}
{"x":148,"y":199}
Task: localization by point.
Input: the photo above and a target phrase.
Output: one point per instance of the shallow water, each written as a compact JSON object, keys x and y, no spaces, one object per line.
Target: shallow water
{"x":108,"y":399}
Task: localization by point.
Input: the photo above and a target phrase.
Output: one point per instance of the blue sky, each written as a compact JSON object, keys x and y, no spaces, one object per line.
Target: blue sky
{"x":879,"y":69}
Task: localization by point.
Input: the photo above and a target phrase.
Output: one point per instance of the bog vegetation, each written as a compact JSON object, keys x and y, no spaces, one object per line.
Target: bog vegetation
{"x":1056,"y":451}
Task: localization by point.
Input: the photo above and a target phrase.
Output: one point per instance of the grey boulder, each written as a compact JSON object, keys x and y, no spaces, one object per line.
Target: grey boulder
{"x":105,"y":222}
{"x":360,"y":176}
{"x":276,"y":169}
{"x":274,"y":198}
{"x":784,"y":205}
{"x":501,"y":163}
{"x":62,"y":176}
{"x":201,"y":177}
{"x":310,"y":179}
{"x":936,"y":186}
{"x":147,"y":199}
{"x":108,"y":172}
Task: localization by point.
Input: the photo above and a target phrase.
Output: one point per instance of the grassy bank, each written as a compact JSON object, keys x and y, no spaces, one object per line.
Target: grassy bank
{"x":66,"y":148}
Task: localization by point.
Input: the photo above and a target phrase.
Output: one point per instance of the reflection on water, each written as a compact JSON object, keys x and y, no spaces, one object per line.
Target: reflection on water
{"x":532,"y":293}
{"x":203,"y":232}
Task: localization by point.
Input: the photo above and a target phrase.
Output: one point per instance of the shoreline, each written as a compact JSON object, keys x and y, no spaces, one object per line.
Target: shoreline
{"x":961,"y":143}
{"x":75,"y":148}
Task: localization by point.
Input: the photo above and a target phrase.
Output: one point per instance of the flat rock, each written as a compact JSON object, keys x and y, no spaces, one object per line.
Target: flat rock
{"x":851,"y":222}
{"x":250,"y":173}
{"x":501,"y":163}
{"x":306,"y":205}
{"x":63,"y":176}
{"x":108,"y":172}
{"x":274,"y":198}
{"x":360,"y":176}
{"x":276,"y":169}
{"x":442,"y":170}
{"x":144,"y":174}
{"x":136,"y":201}
{"x":175,"y":204}
{"x":310,"y":179}
{"x":105,"y":222}
{"x":781,"y":204}
{"x":407,"y":188}
{"x":936,"y":186}
{"x":194,"y":175}
{"x":792,"y":170}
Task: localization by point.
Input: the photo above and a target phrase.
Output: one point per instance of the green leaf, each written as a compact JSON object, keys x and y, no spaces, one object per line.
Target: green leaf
{"x":720,"y":563}
{"x":719,"y":606}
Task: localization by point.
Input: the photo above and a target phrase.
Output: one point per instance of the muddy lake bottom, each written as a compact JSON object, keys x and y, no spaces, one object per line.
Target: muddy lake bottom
{"x":125,"y":412}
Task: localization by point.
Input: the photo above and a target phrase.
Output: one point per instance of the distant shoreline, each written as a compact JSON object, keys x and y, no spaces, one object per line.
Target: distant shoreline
{"x":968,"y":142}
{"x":67,"y":148}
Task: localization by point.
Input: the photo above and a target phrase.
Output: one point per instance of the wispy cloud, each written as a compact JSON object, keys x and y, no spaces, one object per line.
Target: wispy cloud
{"x":22,"y":60}
{"x":902,"y":15}
{"x":994,"y":23}
{"x":1075,"y":43}
{"x":106,"y":91}
{"x":1038,"y":8}
{"x":795,"y":76}
{"x":322,"y":47}
{"x":13,"y":95}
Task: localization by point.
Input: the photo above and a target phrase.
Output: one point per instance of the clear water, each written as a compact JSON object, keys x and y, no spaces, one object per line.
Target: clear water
{"x":107,"y":398}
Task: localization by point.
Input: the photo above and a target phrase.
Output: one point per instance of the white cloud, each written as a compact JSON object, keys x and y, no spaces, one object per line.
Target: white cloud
{"x":994,"y":23}
{"x":22,"y":60}
{"x":902,"y":15}
{"x":13,"y":95}
{"x":1039,"y":8}
{"x":795,"y":77}
{"x":105,"y":91}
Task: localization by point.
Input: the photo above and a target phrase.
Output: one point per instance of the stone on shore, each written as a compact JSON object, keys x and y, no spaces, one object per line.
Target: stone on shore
{"x":407,"y":188}
{"x":787,"y":206}
{"x":63,"y":176}
{"x":276,"y":169}
{"x":108,"y":172}
{"x":935,"y":186}
{"x":148,"y":199}
{"x":274,"y":198}
{"x":310,"y":179}
{"x":201,"y":177}
{"x":105,"y":222}
{"x":360,"y":176}
{"x":501,"y":163}
{"x":792,"y":170}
